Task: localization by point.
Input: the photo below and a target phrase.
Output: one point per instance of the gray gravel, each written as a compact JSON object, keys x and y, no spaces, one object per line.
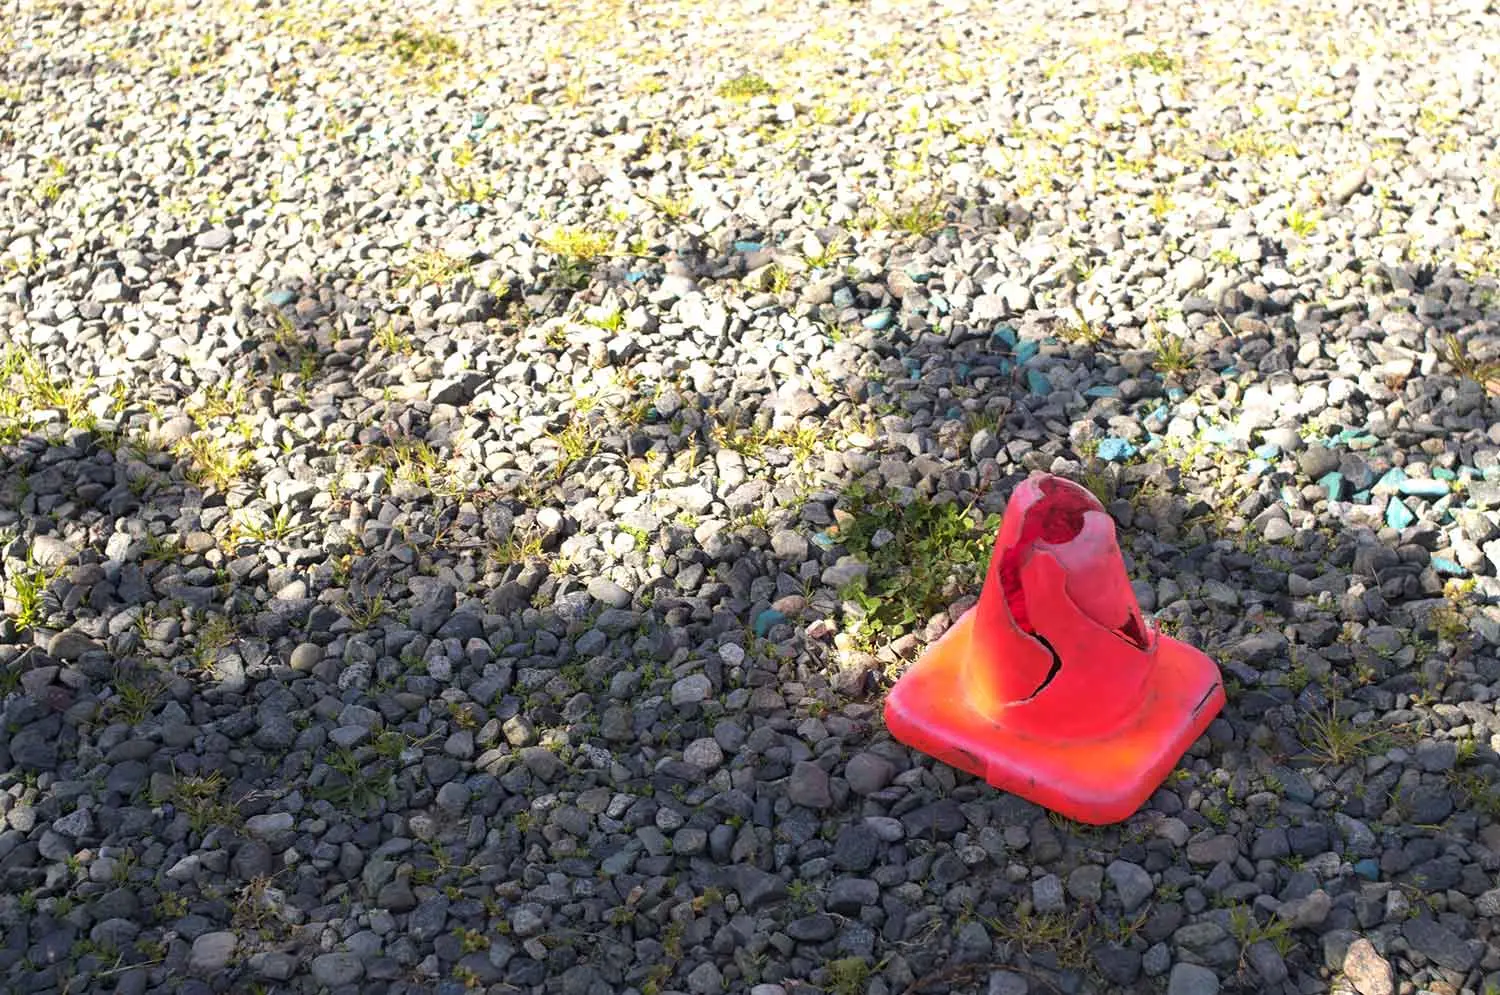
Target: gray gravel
{"x":469,"y":474}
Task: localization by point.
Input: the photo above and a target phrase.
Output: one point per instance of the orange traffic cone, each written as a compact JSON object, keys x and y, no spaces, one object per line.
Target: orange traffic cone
{"x":1053,"y":687}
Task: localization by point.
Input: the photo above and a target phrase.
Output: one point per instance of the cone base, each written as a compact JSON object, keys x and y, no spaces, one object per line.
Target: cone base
{"x":1095,"y":780}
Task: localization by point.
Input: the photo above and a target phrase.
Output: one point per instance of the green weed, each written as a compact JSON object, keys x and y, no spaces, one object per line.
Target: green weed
{"x":745,"y":87}
{"x":922,"y":218}
{"x":1248,"y":931}
{"x":848,"y":976}
{"x":212,"y":462}
{"x":1334,"y":740}
{"x":1486,"y":373}
{"x":1172,"y":355}
{"x":421,"y":49}
{"x":432,"y":267}
{"x":28,"y":587}
{"x":1158,"y":60}
{"x":201,"y":799}
{"x":921,"y":557}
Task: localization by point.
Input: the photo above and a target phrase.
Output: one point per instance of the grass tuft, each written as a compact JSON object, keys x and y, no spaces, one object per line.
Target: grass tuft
{"x":1334,"y":740}
{"x":746,"y":86}
{"x":922,"y":556}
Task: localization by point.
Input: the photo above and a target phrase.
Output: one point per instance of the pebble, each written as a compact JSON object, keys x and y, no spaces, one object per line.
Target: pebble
{"x":1367,"y":971}
{"x":1047,"y":895}
{"x":1192,"y":979}
{"x":868,"y":773}
{"x":808,"y":786}
{"x":704,"y":754}
{"x":691,"y":689}
{"x":212,"y":952}
{"x":1132,"y":883}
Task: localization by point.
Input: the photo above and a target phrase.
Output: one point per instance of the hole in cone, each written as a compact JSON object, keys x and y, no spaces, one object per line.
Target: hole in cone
{"x":1057,"y":518}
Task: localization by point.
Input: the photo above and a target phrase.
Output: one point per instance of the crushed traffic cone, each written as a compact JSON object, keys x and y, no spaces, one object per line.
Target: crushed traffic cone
{"x":1053,"y":687}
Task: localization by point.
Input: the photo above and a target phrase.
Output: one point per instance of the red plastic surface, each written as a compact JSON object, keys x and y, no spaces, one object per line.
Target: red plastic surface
{"x":1053,"y":687}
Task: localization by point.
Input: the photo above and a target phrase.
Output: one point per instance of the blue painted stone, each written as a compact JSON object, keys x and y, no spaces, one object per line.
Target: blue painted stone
{"x":281,"y":298}
{"x":747,"y":247}
{"x":1333,"y":483}
{"x":955,"y":413}
{"x":823,"y":539}
{"x":1229,"y":371}
{"x":1026,"y":350}
{"x":476,"y":120}
{"x":1175,"y":394}
{"x":1115,"y":450}
{"x":766,"y":620}
{"x":1005,"y":334}
{"x":1424,"y":487}
{"x":1367,"y":869}
{"x":1443,"y":473}
{"x":1037,"y":383}
{"x":1398,"y":515}
{"x":469,"y":210}
{"x":1005,"y":366}
{"x":1390,"y":480}
{"x":919,"y":276}
{"x":1268,"y":450}
{"x":1349,"y":433}
{"x":963,"y":371}
{"x":1104,"y":391}
{"x":1258,"y":466}
{"x":878,"y":320}
{"x":940,"y":302}
{"x":1361,"y":497}
{"x":1448,"y":568}
{"x":1161,"y":411}
{"x":843,"y":297}
{"x":913,"y":367}
{"x":634,"y":277}
{"x":1217,"y":435}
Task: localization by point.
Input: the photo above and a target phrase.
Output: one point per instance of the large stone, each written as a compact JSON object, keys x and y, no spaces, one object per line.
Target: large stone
{"x":940,"y":820}
{"x":868,"y":773}
{"x":1047,"y":894}
{"x":71,"y":645}
{"x":758,"y":888}
{"x":856,"y":847}
{"x":808,"y":785}
{"x":692,"y":689}
{"x":337,"y":969}
{"x":1132,"y":883}
{"x":1440,"y":945}
{"x":212,"y":952}
{"x":1192,"y":979}
{"x":1367,"y":971}
{"x":1214,"y":850}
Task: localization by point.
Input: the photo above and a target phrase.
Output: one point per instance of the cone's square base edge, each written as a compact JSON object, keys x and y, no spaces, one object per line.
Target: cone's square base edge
{"x":1095,"y":780}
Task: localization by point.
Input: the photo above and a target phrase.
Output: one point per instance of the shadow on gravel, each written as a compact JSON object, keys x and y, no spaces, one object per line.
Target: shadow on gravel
{"x":491,"y":706}
{"x":1353,"y":760}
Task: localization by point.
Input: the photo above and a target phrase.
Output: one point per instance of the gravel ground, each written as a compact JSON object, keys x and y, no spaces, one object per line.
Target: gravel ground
{"x":468,"y":475}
